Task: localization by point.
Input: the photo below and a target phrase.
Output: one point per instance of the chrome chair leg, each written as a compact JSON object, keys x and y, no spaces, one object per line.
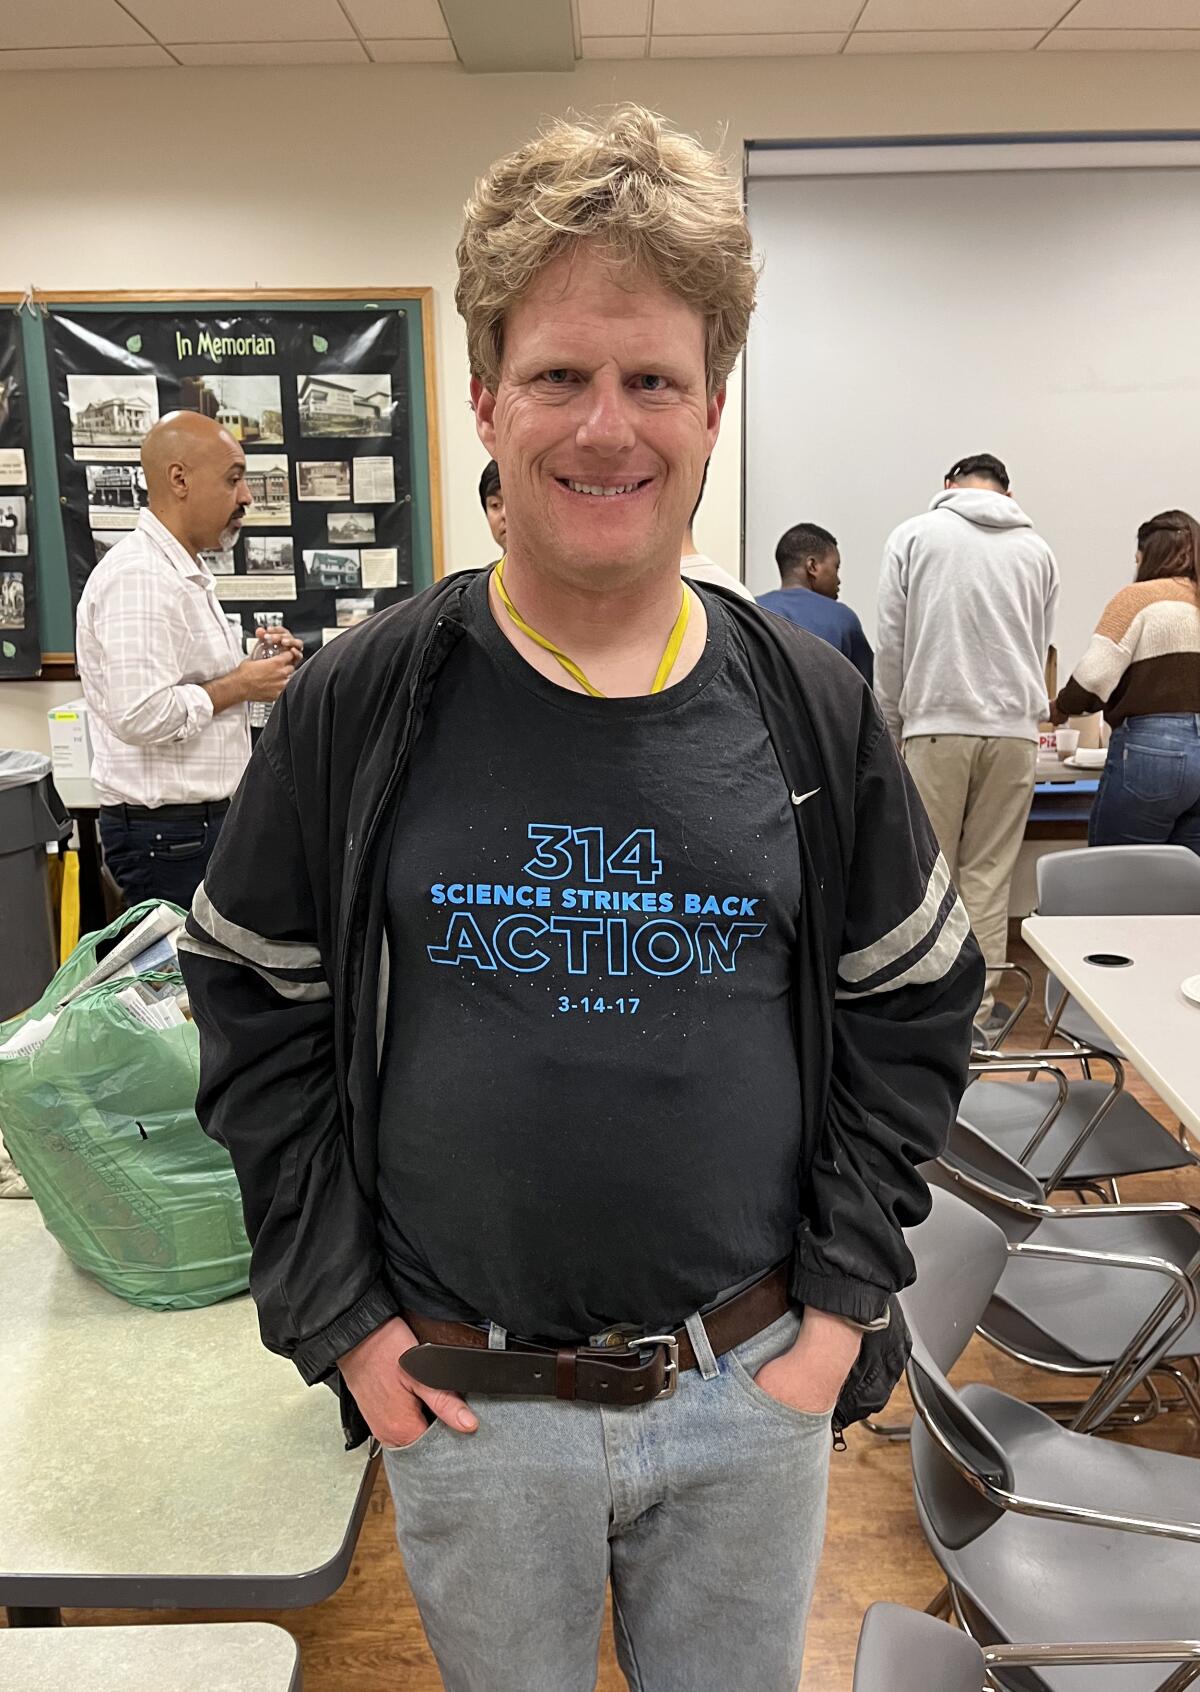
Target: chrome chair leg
{"x":897,"y":1432}
{"x":942,"y":1606}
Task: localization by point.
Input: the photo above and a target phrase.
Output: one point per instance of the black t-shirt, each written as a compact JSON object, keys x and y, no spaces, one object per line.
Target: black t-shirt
{"x":590,"y":1110}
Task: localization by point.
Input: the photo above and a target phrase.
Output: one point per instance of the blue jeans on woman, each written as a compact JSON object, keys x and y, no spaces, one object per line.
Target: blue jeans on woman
{"x":1150,"y":790}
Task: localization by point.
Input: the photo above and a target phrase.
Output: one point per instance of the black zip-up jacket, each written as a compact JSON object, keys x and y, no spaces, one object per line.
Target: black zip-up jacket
{"x":286,"y":965}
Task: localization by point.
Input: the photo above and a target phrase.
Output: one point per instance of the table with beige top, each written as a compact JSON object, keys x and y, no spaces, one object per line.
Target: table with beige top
{"x":189,"y":1657}
{"x":1139,"y":1005}
{"x":157,"y":1459}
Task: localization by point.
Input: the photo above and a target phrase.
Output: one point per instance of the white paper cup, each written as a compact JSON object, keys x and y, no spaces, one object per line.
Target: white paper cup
{"x":1068,"y":742}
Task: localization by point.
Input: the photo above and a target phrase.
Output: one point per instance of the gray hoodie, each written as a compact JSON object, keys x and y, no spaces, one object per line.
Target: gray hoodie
{"x":965,"y":616}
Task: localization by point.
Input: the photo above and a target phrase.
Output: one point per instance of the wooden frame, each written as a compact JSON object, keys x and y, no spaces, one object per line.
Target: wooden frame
{"x":60,"y":666}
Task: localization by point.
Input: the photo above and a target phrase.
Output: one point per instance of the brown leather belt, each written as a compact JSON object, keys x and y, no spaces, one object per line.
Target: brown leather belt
{"x":456,"y":1356}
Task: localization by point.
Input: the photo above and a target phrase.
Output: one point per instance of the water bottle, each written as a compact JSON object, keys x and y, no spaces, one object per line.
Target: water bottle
{"x":260,"y":709}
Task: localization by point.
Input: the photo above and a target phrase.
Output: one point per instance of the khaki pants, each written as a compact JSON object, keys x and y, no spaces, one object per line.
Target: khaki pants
{"x":977,"y":790}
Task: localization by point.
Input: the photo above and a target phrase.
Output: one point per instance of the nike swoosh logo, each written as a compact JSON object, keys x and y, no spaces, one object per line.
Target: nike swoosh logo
{"x":799,"y":798}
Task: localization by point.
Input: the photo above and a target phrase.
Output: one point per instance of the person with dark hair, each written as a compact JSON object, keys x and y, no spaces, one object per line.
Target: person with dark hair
{"x":492,"y":501}
{"x":698,"y":567}
{"x":1142,"y":669}
{"x":810,"y":576}
{"x":965,"y":617}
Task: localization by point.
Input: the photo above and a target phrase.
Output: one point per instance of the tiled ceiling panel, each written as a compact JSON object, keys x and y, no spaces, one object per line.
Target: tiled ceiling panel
{"x":398,"y":20}
{"x":742,"y":46}
{"x":68,"y":23}
{"x":1134,"y":14}
{"x":83,"y":58}
{"x":412,"y":52}
{"x":170,"y":21}
{"x":614,"y":17}
{"x":116,"y":34}
{"x":271,"y":53}
{"x":753,"y":17}
{"x":943,"y":41}
{"x":1123,"y":40}
{"x":961,"y":15}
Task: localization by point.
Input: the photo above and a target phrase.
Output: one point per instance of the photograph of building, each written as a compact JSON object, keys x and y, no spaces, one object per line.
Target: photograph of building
{"x":267,"y":480}
{"x":331,"y":569}
{"x":248,"y":406}
{"x":345,"y":405}
{"x":110,"y":413}
{"x":116,"y":493}
{"x":323,"y":479}
{"x":349,"y":528}
{"x":269,"y":555}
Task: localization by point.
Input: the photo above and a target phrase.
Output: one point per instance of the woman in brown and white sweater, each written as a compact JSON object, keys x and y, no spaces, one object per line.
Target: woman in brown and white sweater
{"x":1142,"y":668}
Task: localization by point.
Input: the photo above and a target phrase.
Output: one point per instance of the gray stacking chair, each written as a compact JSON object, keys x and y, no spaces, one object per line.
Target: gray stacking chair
{"x":1109,"y":1292}
{"x":1087,"y":1134}
{"x":1099,"y":1133}
{"x":1041,"y":1532}
{"x":1111,"y":881}
{"x":903,"y":1650}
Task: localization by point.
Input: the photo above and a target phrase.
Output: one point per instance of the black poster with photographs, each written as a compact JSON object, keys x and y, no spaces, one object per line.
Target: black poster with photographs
{"x":319,"y":402}
{"x":20,"y":643}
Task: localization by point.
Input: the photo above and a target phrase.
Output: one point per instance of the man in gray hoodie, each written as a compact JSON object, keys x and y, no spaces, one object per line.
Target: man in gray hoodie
{"x":964,"y":619}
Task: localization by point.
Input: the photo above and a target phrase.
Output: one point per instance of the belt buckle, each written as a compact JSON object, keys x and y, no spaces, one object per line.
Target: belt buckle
{"x":671,"y":1367}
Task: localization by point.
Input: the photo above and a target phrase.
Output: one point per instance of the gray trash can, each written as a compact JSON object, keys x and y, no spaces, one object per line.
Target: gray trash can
{"x":31,"y":814}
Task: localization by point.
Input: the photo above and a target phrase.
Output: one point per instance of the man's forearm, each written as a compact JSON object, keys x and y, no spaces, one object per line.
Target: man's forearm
{"x":225,"y":691}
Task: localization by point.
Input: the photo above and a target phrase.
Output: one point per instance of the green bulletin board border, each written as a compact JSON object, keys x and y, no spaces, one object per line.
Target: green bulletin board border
{"x":56,"y":614}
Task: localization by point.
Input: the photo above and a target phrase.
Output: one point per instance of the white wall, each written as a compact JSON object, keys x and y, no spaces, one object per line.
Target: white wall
{"x":1029,"y":313}
{"x":355,"y":177}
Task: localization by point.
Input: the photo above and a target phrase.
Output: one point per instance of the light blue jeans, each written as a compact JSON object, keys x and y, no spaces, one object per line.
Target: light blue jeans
{"x":706,"y":1509}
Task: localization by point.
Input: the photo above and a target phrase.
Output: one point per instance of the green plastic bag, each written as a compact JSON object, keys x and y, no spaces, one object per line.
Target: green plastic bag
{"x":100,"y":1120}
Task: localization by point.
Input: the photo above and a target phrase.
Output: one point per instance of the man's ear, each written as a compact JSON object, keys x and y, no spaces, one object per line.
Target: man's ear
{"x":483,"y":404}
{"x":716,"y":407}
{"x":810,"y":569}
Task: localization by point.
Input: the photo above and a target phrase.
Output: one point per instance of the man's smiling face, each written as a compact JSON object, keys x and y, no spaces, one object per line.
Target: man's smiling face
{"x":601,"y":423}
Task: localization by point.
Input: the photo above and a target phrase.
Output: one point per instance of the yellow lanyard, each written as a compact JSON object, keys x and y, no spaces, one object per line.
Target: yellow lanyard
{"x":666,"y":664}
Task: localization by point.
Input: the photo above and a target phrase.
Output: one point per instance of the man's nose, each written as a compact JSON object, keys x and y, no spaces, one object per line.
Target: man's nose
{"x":607,"y":426}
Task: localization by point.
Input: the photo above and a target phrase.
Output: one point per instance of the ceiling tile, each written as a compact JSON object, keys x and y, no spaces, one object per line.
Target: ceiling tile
{"x":242,"y":20}
{"x":697,"y":18}
{"x":613,"y":17}
{"x":950,"y":15}
{"x":1141,"y":15}
{"x":398,"y":20}
{"x":271,"y":53}
{"x":1123,"y":40}
{"x":67,"y":23}
{"x":943,"y":41}
{"x":413,"y":52}
{"x":743,"y":46}
{"x":83,"y":58}
{"x":614,"y":47}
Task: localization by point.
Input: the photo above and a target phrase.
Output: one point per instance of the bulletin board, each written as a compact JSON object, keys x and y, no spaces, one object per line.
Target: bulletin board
{"x":20,"y":646}
{"x":331,"y":397}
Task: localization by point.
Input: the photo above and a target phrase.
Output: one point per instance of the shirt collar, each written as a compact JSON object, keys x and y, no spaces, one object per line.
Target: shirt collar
{"x":175,"y":550}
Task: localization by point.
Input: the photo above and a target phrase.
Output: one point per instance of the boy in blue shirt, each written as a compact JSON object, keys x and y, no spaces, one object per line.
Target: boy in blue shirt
{"x":809,"y":569}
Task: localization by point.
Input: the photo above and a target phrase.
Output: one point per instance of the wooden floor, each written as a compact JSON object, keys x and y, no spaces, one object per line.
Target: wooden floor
{"x":367,"y":1637}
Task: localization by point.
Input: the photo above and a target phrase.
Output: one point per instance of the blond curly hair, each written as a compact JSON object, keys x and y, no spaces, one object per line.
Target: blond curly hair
{"x":655,"y":200}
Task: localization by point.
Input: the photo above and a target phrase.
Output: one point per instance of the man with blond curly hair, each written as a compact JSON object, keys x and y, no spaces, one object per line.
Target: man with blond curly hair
{"x":577,"y":1056}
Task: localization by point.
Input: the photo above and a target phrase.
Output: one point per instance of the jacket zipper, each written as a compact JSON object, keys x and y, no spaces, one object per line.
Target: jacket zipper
{"x":364,"y":850}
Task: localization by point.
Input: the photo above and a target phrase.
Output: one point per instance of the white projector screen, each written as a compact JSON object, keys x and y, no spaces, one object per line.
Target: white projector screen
{"x":1051,"y":316}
